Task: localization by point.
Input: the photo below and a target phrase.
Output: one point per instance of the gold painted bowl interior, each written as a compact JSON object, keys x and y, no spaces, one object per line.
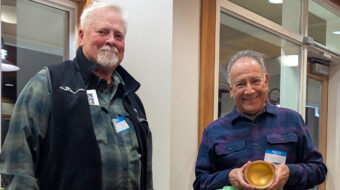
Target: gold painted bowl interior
{"x":259,"y":174}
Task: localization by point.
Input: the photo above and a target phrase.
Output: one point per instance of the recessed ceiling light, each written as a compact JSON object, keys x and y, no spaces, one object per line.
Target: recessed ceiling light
{"x":290,"y":60}
{"x":275,"y":1}
{"x":337,"y":32}
{"x":9,"y":14}
{"x":9,"y":85}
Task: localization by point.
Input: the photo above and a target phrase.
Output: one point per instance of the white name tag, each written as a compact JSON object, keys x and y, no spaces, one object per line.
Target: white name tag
{"x":275,"y":156}
{"x":92,"y":97}
{"x":120,"y":124}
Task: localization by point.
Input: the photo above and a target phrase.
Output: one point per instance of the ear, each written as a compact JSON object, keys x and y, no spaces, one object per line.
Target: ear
{"x":266,"y":78}
{"x":231,"y":93}
{"x":81,"y":37}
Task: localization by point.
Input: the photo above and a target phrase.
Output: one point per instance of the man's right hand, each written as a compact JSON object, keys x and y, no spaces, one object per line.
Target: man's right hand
{"x":236,"y":178}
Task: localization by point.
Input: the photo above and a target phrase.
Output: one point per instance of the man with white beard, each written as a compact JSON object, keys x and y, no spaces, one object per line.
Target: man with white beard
{"x":79,"y":125}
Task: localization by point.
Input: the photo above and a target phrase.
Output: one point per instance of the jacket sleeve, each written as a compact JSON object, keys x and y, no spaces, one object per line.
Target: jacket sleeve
{"x":207,"y":176}
{"x":149,"y":174}
{"x":144,"y":123}
{"x":310,"y":169}
{"x":149,"y":183}
{"x":28,"y":125}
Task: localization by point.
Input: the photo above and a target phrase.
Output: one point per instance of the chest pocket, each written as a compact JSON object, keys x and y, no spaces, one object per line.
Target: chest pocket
{"x":228,"y":148}
{"x":283,"y":138}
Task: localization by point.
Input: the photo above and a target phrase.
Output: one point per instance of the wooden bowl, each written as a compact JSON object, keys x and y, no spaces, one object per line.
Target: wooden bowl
{"x":260,"y":174}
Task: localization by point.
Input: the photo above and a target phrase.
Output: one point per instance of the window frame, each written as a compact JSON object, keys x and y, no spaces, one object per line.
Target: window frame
{"x":72,"y":8}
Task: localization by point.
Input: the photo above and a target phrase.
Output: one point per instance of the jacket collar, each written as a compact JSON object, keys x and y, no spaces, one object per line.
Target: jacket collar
{"x":86,"y":68}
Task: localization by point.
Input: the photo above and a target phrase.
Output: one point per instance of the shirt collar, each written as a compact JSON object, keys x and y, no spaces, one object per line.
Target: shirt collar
{"x":101,"y":84}
{"x":268,"y":109}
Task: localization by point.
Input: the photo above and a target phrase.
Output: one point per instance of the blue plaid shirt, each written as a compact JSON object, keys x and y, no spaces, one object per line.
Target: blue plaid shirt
{"x":120,"y":159}
{"x":233,"y":140}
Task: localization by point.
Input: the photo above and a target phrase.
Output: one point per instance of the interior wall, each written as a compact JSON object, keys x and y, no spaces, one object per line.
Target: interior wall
{"x":162,"y":52}
{"x":185,"y":90}
{"x":333,"y":129}
{"x":148,"y":57}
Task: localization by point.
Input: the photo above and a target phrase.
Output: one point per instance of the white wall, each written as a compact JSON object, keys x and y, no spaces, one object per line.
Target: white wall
{"x":162,"y":52}
{"x":148,"y":57}
{"x":333,"y":129}
{"x":185,"y":85}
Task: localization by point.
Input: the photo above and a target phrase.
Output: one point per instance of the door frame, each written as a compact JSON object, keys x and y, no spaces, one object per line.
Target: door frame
{"x":323,"y":115}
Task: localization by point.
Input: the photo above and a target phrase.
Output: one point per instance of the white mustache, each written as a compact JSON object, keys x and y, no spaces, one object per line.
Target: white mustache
{"x":108,"y":48}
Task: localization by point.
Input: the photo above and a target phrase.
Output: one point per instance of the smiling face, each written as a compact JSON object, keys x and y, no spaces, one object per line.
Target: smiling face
{"x":249,"y":86}
{"x":103,"y":40}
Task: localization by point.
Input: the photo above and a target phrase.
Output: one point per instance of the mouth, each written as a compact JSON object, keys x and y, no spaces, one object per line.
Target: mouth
{"x":113,"y":50}
{"x":250,"y":100}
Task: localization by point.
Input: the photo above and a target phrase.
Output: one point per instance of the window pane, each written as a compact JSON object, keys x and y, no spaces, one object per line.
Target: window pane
{"x":286,"y":13}
{"x":281,"y":56}
{"x":33,"y":36}
{"x":324,"y":26}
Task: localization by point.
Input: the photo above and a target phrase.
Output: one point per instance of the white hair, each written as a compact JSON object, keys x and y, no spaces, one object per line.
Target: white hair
{"x":87,"y":15}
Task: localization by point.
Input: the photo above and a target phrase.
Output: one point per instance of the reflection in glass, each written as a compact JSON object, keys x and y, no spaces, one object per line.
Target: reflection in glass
{"x":33,"y":36}
{"x":324,"y":26}
{"x":286,"y":13}
{"x":313,"y":105}
{"x":281,"y":56}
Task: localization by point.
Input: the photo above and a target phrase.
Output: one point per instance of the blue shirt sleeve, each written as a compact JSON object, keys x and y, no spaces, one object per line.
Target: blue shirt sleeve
{"x":206,"y":176}
{"x":310,"y":169}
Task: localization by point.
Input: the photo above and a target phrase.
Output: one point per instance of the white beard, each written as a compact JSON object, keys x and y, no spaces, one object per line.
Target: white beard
{"x":107,"y":56}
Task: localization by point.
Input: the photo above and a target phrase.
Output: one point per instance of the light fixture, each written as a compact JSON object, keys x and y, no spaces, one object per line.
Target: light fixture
{"x":7,"y":66}
{"x":290,"y":60}
{"x":275,"y":1}
{"x":9,"y":14}
{"x":9,"y":85}
{"x":337,"y":32}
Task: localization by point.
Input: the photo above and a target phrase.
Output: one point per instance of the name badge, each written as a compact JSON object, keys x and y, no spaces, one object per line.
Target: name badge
{"x":120,"y":124}
{"x":275,"y":156}
{"x":92,"y":97}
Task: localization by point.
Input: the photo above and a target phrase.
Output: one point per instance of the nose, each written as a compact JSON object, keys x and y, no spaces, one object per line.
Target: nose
{"x":249,"y":89}
{"x":110,"y":40}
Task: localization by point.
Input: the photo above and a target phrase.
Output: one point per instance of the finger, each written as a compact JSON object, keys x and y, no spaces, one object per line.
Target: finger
{"x":247,"y":187}
{"x":274,"y":187}
{"x":246,"y":164}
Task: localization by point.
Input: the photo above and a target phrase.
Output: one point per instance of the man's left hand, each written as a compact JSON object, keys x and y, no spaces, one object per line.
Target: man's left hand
{"x":282,"y":174}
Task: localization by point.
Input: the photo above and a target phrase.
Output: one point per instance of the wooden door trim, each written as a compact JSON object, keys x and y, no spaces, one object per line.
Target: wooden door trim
{"x":207,"y":65}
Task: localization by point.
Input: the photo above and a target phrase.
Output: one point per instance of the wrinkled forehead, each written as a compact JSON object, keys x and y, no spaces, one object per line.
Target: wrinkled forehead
{"x":246,"y":66}
{"x":247,"y":63}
